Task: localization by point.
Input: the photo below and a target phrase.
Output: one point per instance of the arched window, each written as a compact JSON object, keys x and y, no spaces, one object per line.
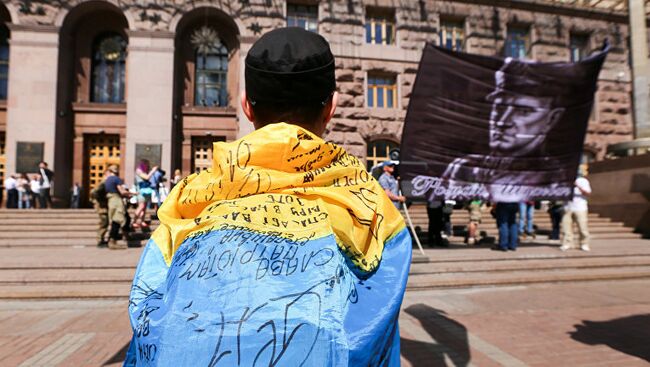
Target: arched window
{"x":378,"y":151}
{"x":211,"y":68}
{"x":4,"y":61}
{"x":108,"y":66}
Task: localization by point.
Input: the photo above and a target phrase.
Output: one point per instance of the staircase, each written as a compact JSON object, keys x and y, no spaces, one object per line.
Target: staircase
{"x":599,"y":227}
{"x":54,"y":227}
{"x":52,"y":254}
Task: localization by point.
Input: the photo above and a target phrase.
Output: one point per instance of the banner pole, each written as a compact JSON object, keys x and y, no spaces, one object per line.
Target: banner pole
{"x":410,"y":222}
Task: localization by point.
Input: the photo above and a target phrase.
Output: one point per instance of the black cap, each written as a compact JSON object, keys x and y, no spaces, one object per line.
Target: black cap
{"x":290,"y":65}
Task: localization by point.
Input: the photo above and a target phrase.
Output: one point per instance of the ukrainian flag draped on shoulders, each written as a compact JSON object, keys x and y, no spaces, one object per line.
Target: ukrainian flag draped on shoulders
{"x":285,"y":253}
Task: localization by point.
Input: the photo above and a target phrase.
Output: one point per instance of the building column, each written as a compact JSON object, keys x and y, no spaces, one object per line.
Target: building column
{"x":640,"y":72}
{"x":31,"y":100}
{"x":149,"y":92}
{"x":245,"y":127}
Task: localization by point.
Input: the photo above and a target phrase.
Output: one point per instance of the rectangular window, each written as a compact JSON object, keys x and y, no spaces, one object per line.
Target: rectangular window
{"x":517,"y":43}
{"x":380,"y":26}
{"x":303,"y":16}
{"x":579,"y":47}
{"x":382,"y":91}
{"x":452,"y":35}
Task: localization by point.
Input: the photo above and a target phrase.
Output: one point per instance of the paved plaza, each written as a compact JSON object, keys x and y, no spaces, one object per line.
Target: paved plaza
{"x":603,"y":323}
{"x":464,"y":306}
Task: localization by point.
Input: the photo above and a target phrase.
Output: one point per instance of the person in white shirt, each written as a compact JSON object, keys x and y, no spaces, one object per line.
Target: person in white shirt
{"x":46,"y":183}
{"x":577,"y":211}
{"x":22,"y":185}
{"x":35,"y":186}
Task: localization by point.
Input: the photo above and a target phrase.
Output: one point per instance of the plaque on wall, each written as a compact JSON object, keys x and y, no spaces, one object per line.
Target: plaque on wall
{"x":28,"y":156}
{"x":150,"y":152}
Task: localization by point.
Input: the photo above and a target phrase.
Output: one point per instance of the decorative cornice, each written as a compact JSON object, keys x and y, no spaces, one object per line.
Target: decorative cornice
{"x":150,"y":34}
{"x":32,"y":28}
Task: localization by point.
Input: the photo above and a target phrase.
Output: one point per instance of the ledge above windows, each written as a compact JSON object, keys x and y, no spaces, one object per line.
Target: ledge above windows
{"x":209,"y":111}
{"x":99,"y":107}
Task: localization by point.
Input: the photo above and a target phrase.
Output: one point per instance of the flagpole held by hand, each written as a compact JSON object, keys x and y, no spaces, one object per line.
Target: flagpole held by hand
{"x":408,"y":219}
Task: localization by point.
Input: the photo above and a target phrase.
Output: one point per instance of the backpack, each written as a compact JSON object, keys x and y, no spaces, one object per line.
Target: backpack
{"x":99,"y":193}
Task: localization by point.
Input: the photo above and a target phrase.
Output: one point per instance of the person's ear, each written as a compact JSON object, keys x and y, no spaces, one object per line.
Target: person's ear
{"x":331,"y":107}
{"x":247,"y":107}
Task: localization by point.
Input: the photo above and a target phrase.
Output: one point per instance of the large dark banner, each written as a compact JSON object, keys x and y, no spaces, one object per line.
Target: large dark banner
{"x":501,"y":130}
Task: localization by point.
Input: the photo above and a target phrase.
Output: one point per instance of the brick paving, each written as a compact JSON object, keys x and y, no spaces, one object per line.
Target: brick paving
{"x":582,"y":324}
{"x":603,"y":323}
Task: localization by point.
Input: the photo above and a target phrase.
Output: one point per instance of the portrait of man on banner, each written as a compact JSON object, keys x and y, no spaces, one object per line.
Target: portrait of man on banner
{"x":506,"y":129}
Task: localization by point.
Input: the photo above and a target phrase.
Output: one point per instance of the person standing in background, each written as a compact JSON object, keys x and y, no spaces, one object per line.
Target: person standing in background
{"x":75,"y":195}
{"x":474,"y":210}
{"x":178,"y":176}
{"x":35,"y":186}
{"x":24,"y":197}
{"x":47,"y":176}
{"x":142,"y":176}
{"x":436,"y":223}
{"x":506,"y":215}
{"x":526,"y":213}
{"x":577,"y":211}
{"x":389,"y":183}
{"x":98,"y":196}
{"x":115,"y":191}
{"x":12,"y":192}
{"x":555,"y":211}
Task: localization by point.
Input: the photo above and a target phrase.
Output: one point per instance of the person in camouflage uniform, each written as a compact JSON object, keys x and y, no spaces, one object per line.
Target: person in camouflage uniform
{"x":100,"y":203}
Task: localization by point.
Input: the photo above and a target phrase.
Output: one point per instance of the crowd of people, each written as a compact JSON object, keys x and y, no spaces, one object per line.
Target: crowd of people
{"x":515,"y":221}
{"x":111,"y":198}
{"x":25,"y":191}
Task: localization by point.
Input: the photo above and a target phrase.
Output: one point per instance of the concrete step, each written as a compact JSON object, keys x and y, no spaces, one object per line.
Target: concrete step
{"x":503,"y":265}
{"x":518,"y":277}
{"x":56,"y":276}
{"x":29,"y":229}
{"x":82,"y":210}
{"x":48,"y":221}
{"x":136,"y":241}
{"x":29,"y":257}
{"x":49,"y":242}
{"x":45,"y":234}
{"x":86,"y":290}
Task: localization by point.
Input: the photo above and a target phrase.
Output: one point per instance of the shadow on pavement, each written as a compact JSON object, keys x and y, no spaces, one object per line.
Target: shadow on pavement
{"x":449,"y":335}
{"x":628,"y":335}
{"x":118,"y":357}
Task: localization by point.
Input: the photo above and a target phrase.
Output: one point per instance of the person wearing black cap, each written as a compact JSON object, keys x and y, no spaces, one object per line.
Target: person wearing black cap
{"x":287,"y":252}
{"x":290,"y":78}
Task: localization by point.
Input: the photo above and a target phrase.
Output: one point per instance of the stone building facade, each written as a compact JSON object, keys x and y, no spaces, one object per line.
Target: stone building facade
{"x":95,"y":82}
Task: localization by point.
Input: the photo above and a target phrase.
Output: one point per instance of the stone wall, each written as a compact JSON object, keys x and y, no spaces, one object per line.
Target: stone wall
{"x":342,"y":23}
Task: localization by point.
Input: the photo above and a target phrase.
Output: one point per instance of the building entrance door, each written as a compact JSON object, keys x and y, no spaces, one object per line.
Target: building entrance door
{"x":202,"y":152}
{"x":101,"y":150}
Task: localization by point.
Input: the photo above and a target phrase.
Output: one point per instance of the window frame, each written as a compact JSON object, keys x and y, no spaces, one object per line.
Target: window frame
{"x":5,"y":36}
{"x":386,"y":89}
{"x":222,"y":53}
{"x":455,"y":25}
{"x":582,"y":46}
{"x":524,"y":31}
{"x":382,"y":17}
{"x":304,"y":16}
{"x":95,"y":63}
{"x":374,"y":157}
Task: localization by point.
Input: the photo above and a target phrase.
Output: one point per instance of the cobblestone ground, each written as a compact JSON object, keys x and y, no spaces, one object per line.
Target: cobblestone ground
{"x":580,"y":324}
